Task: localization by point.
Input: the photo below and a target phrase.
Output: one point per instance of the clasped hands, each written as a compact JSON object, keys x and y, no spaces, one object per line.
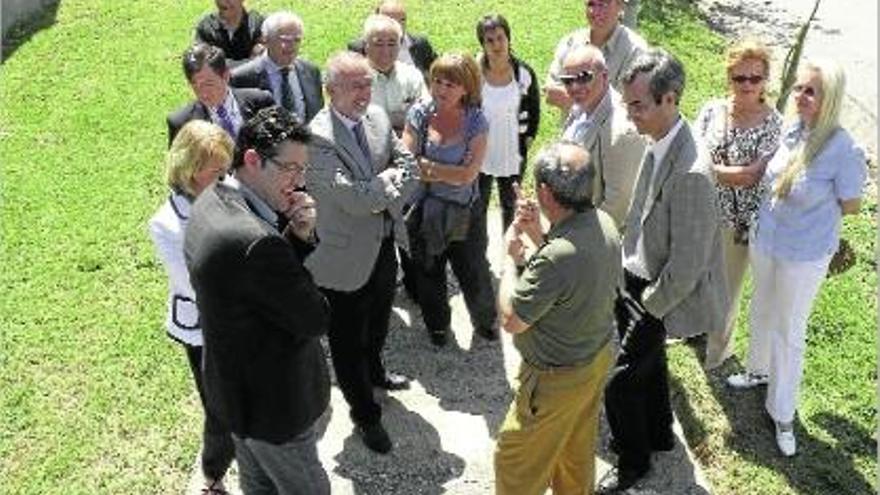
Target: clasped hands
{"x":301,"y":214}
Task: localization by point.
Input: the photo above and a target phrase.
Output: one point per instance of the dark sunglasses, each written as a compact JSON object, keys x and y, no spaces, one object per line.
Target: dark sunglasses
{"x":751,"y":79}
{"x":806,"y":90}
{"x":585,"y":77}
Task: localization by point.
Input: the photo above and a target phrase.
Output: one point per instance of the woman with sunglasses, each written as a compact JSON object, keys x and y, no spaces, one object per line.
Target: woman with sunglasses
{"x":448,"y":135}
{"x":199,"y":155}
{"x":815,"y":178}
{"x":512,"y":105}
{"x":738,"y":134}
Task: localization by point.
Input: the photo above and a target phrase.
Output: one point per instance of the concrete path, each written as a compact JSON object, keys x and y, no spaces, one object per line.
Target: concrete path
{"x":443,"y":428}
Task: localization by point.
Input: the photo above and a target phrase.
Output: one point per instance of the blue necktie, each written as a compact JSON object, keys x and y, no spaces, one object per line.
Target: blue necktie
{"x":225,"y":121}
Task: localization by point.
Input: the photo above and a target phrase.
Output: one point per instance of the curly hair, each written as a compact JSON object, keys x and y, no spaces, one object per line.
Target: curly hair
{"x":266,"y":130}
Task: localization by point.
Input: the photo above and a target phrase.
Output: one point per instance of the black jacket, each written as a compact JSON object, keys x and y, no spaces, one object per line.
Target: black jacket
{"x":249,"y":101}
{"x":253,"y":75}
{"x":210,"y":30}
{"x":264,"y":370}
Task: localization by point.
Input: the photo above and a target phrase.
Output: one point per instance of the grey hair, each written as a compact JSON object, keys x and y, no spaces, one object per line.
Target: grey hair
{"x":589,"y":52}
{"x":570,"y":180}
{"x":343,"y":61}
{"x":665,"y":73}
{"x":277,"y":19}
{"x":380,"y":23}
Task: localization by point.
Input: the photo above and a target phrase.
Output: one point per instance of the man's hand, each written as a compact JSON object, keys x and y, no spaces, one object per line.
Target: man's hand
{"x":558,"y":97}
{"x":302,"y":215}
{"x":527,"y":217}
{"x":516,"y":249}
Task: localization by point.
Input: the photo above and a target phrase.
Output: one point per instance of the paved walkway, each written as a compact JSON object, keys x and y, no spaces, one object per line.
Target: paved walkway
{"x":443,"y":428}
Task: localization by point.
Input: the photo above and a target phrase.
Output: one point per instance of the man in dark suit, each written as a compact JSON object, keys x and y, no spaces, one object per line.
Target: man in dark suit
{"x":414,"y":49}
{"x":361,"y":174}
{"x":205,"y":68}
{"x":295,"y":84}
{"x":264,"y":370}
{"x":232,"y":29}
{"x":673,"y":272}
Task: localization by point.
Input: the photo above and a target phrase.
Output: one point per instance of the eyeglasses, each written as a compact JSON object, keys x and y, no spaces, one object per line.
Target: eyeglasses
{"x":291,"y":167}
{"x":585,"y":77}
{"x":806,"y":90}
{"x":753,"y":79}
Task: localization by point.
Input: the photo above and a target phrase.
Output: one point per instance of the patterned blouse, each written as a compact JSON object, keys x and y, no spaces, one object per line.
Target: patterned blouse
{"x":734,"y":146}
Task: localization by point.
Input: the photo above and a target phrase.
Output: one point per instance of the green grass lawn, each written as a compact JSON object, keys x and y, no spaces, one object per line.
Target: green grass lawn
{"x":95,"y":399}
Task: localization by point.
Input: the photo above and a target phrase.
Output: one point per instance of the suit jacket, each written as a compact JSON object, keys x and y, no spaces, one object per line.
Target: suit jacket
{"x":682,"y":241}
{"x":253,"y":75}
{"x":239,"y":47}
{"x":420,"y":50}
{"x":249,"y":101}
{"x":617,"y":149}
{"x":264,"y":370}
{"x":352,"y":200}
{"x":167,"y":227}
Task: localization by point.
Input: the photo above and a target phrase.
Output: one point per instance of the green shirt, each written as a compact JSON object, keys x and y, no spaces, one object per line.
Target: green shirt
{"x":566,"y":293}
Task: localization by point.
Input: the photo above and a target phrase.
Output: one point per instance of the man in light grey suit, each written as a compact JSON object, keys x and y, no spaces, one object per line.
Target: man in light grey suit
{"x":597,"y":121}
{"x":360,"y":176}
{"x":674,"y":278}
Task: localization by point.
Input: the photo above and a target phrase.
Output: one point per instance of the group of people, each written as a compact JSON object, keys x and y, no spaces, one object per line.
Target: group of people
{"x":289,"y":218}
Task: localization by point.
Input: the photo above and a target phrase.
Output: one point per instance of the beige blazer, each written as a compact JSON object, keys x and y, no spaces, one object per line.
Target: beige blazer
{"x":616,"y":148}
{"x":682,"y":242}
{"x":351,"y":198}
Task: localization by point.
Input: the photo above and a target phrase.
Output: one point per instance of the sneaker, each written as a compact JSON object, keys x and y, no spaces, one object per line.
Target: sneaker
{"x":747,"y":380}
{"x":785,"y":439}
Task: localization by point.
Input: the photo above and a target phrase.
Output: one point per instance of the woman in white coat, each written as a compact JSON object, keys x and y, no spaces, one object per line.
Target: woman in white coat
{"x":199,"y":155}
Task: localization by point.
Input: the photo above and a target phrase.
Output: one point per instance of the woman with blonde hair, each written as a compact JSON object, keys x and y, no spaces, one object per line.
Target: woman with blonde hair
{"x":199,"y":155}
{"x":448,"y":135}
{"x":815,"y":177}
{"x":738,"y":134}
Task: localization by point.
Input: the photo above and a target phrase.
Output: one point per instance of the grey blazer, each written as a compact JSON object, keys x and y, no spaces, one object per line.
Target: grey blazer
{"x":682,"y":242}
{"x":616,"y":149}
{"x":351,"y":198}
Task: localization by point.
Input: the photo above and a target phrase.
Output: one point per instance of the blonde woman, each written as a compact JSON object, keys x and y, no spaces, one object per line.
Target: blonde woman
{"x":815,"y":178}
{"x":199,"y":155}
{"x":739,"y":134}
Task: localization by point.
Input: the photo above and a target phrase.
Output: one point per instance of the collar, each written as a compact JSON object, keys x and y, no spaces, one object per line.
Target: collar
{"x":274,"y":68}
{"x":565,"y":225}
{"x":391,"y":73}
{"x":180,"y":204}
{"x":256,"y":203}
{"x":349,"y":123}
{"x":659,"y":148}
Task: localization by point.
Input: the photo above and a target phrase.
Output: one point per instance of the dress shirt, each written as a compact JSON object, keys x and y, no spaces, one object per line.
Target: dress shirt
{"x":397,"y":90}
{"x":579,"y":121}
{"x":635,"y":262}
{"x":232,"y":110}
{"x":257,"y":204}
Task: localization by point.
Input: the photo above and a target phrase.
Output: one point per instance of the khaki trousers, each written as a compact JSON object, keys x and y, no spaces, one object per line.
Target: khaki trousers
{"x":548,"y":438}
{"x":736,"y":262}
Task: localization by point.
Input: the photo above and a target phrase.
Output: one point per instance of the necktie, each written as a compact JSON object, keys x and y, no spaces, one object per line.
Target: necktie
{"x":640,"y":197}
{"x":361,"y":139}
{"x":288,"y":99}
{"x":226,"y":121}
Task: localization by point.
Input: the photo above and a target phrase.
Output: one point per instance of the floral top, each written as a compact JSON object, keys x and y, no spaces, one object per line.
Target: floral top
{"x":734,"y":146}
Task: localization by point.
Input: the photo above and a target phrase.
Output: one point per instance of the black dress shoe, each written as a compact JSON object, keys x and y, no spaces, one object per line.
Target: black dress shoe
{"x":375,"y":438}
{"x":664,"y":445}
{"x":438,"y":337}
{"x":391,"y":381}
{"x":489,"y":333}
{"x":618,"y":481}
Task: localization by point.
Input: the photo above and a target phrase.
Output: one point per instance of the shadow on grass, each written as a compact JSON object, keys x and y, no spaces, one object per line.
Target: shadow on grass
{"x":819,"y":467}
{"x":20,"y":33}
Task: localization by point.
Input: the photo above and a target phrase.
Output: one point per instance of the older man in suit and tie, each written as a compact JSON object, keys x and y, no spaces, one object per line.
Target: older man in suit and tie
{"x":205,"y":68}
{"x":597,"y":121}
{"x":264,"y":370}
{"x":361,"y":174}
{"x":674,"y":277}
{"x":295,"y":84}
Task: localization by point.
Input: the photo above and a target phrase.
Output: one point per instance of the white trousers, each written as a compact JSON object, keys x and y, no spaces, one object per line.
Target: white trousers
{"x":783,"y":295}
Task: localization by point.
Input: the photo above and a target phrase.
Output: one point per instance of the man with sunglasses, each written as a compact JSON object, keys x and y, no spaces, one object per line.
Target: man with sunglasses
{"x":361,"y":176}
{"x":619,"y":45}
{"x":597,"y":121}
{"x":264,"y":370}
{"x":673,"y":272}
{"x":295,"y":83}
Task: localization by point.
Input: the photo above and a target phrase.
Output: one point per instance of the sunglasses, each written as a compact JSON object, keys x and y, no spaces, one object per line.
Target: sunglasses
{"x":805,"y":90}
{"x":740,"y":79}
{"x":585,"y":77}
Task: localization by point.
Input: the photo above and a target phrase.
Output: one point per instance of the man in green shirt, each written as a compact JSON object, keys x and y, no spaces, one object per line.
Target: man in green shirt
{"x":560,"y":310}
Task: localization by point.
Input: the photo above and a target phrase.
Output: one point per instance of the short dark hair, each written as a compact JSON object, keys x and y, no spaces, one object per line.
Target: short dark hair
{"x":571,"y":184}
{"x":270,"y":127}
{"x":201,"y":54}
{"x":490,"y":22}
{"x":665,"y":73}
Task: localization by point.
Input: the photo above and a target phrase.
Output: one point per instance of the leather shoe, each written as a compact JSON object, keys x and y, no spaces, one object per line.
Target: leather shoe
{"x":617,"y":481}
{"x":489,"y":333}
{"x":375,"y":438}
{"x":391,"y":381}
{"x":438,"y":337}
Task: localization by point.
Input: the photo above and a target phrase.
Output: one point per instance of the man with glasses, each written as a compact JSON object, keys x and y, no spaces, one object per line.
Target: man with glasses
{"x":295,"y":84}
{"x":205,"y":69}
{"x":673,"y":271}
{"x":361,"y":175}
{"x":597,"y":121}
{"x":619,"y":45}
{"x":264,"y":370}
